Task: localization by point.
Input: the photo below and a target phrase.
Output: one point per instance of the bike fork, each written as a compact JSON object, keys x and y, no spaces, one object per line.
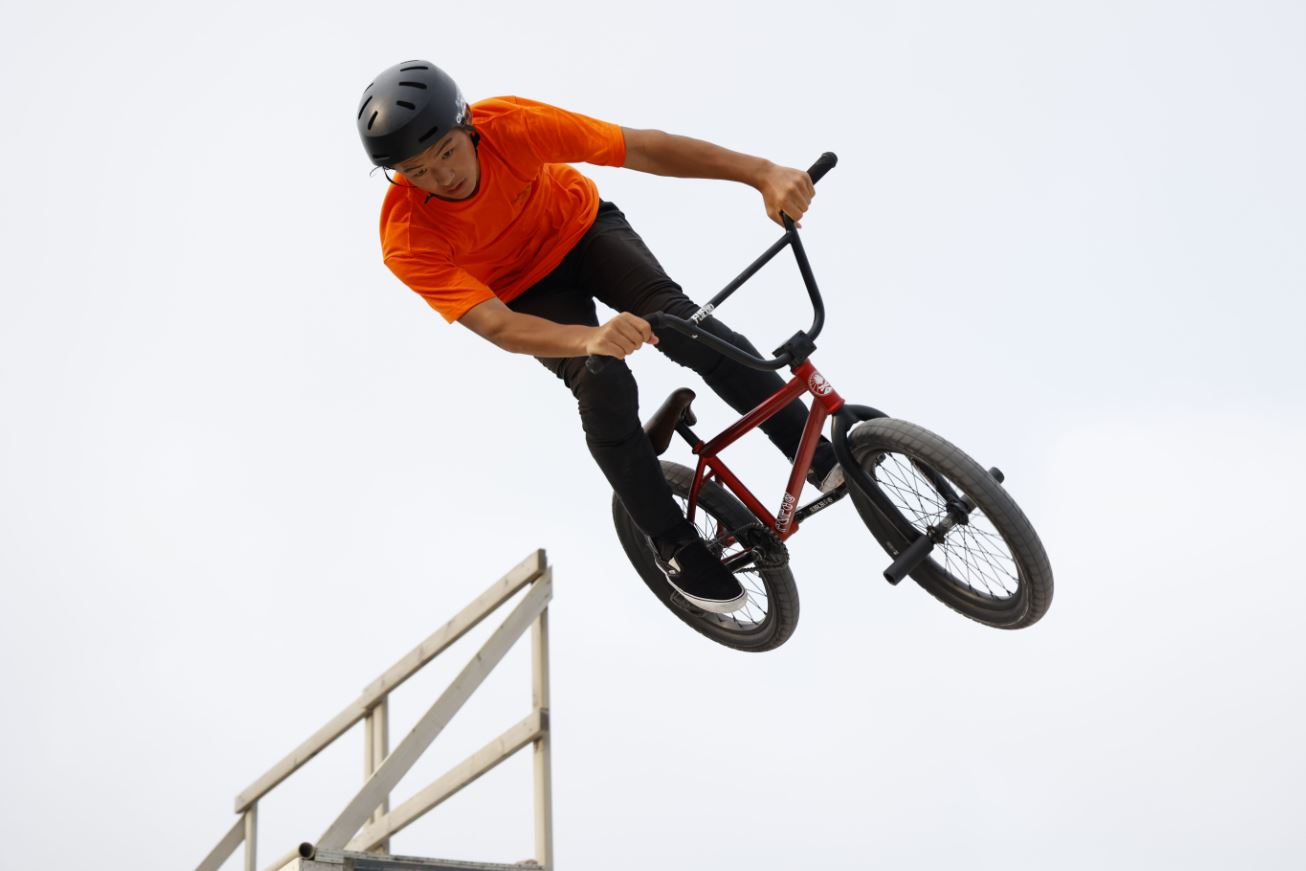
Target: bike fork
{"x":959,"y":510}
{"x":915,"y":553}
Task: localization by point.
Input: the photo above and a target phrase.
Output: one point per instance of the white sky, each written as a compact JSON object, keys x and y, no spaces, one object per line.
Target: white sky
{"x":242,"y":469}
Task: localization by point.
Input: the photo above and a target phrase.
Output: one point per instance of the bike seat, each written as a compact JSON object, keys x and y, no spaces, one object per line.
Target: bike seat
{"x":662,"y":425}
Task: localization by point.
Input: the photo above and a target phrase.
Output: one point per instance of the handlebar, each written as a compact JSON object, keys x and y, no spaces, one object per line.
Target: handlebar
{"x":823,"y":164}
{"x":662,"y":320}
{"x":785,"y":354}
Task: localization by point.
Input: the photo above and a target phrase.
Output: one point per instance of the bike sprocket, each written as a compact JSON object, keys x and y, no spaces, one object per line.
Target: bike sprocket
{"x":769,"y":552}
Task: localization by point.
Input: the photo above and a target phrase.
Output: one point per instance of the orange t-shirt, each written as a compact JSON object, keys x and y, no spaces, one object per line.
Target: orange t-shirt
{"x":529,"y":210}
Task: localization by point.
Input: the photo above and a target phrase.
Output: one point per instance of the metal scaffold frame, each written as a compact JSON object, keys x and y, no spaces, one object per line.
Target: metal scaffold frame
{"x":361,"y":832}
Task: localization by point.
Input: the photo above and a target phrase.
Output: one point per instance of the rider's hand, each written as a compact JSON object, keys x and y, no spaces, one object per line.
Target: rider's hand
{"x":786,"y":190}
{"x":622,"y":335}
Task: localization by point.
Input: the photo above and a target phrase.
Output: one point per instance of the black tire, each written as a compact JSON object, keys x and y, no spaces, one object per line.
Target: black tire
{"x":771,"y":614}
{"x":993,"y":569}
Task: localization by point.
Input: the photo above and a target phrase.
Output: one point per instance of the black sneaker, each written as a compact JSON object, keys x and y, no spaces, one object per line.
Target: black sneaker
{"x":825,"y":474}
{"x":696,"y":574}
{"x":829,"y":482}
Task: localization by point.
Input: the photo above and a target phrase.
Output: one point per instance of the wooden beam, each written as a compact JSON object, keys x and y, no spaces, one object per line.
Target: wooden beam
{"x":335,"y":860}
{"x":466,"y":620}
{"x":292,"y":856}
{"x":398,"y":763}
{"x":222,"y":852}
{"x":458,"y":777}
{"x":501,"y":591}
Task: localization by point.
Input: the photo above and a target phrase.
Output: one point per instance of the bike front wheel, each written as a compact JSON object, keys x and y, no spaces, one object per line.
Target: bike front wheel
{"x":992,"y":567}
{"x":771,"y":613}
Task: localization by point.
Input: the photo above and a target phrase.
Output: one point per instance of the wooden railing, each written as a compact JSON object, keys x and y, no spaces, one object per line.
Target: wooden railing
{"x":367,"y":823}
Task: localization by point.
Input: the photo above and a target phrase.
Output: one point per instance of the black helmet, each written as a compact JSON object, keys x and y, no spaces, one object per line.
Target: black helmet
{"x":406,"y":109}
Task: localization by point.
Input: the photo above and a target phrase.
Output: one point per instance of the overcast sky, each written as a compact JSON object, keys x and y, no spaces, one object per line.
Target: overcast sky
{"x":243,"y":469}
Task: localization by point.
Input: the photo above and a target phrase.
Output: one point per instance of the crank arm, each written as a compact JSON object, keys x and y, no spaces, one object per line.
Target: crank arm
{"x":738,"y":561}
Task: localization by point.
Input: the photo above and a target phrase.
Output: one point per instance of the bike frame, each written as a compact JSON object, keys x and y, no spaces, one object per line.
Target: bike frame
{"x":825,"y":402}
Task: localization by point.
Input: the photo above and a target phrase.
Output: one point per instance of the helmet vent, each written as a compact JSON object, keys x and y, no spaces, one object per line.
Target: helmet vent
{"x":363,"y":107}
{"x":429,"y":133}
{"x":412,"y":85}
{"x":409,"y":69}
{"x":372,"y":120}
{"x":405,"y":104}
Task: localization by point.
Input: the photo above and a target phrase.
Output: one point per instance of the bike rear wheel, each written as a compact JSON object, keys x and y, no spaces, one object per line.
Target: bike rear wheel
{"x":771,"y":613}
{"x":993,"y":567}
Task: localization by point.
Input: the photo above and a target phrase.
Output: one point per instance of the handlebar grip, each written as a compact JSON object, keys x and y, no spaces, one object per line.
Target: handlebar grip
{"x":596,"y":362}
{"x":823,"y":164}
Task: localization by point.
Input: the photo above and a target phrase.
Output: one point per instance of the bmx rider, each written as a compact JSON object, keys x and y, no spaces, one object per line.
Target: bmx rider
{"x":487,"y":221}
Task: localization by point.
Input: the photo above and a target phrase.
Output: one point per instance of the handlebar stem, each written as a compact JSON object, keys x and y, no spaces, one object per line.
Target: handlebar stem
{"x":796,"y":351}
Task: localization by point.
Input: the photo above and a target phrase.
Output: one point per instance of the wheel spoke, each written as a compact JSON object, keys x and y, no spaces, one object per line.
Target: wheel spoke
{"x":906,"y":481}
{"x":983,"y":564}
{"x":973,"y":555}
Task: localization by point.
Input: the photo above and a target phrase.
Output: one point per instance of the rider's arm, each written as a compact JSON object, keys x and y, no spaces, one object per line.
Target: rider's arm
{"x":782,"y":188}
{"x":526,"y":334}
{"x":460,"y":297}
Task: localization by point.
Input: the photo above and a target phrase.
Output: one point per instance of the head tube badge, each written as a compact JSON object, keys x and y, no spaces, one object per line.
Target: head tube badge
{"x":819,"y":385}
{"x":786,"y":515}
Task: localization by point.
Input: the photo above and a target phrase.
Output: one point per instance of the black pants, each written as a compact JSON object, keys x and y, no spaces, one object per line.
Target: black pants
{"x":611,"y":264}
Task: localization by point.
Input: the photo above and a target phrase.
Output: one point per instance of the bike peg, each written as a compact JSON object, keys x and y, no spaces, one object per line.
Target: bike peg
{"x":909,"y":559}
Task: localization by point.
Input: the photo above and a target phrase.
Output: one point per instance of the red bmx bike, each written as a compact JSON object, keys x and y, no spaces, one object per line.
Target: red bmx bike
{"x":944,"y":520}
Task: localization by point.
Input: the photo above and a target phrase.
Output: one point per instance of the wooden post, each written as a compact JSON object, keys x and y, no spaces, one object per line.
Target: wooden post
{"x":378,"y":748}
{"x":369,"y":744}
{"x":251,"y":837}
{"x":542,"y":751}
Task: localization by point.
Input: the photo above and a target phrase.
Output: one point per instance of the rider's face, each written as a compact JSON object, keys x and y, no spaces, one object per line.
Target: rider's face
{"x":448,"y":169}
